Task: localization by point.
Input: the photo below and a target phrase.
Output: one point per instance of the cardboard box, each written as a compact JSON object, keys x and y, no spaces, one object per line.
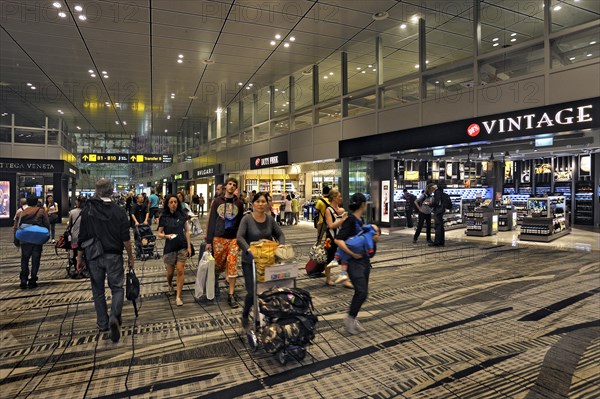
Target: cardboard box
{"x":278,"y":272}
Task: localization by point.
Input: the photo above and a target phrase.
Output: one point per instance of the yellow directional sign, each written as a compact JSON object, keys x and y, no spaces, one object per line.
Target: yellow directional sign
{"x":127,"y":158}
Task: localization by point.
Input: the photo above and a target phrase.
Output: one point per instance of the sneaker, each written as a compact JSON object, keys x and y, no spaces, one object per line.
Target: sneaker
{"x":333,"y":263}
{"x":341,"y":278}
{"x":414,"y":241}
{"x":115,"y":330}
{"x":23,"y":285}
{"x":32,"y":284}
{"x":358,"y":327}
{"x":179,"y":302}
{"x":232,"y":301}
{"x":353,"y":326}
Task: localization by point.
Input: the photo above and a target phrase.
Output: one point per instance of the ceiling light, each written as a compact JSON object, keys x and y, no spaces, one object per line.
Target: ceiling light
{"x":286,"y":44}
{"x":90,"y":70}
{"x":513,"y":40}
{"x":275,"y":111}
{"x":448,"y":81}
{"x":325,"y":77}
{"x":363,"y":72}
{"x":513,"y":34}
{"x":168,"y":116}
{"x":107,"y":103}
{"x":125,"y":122}
{"x":273,"y":42}
{"x":29,"y":84}
{"x":330,"y":73}
{"x":105,"y":76}
{"x":82,"y":17}
{"x":180,"y":56}
{"x":495,"y":39}
{"x":78,"y":8}
{"x":589,"y":55}
{"x":166,"y":130}
{"x":292,"y":39}
{"x":496,"y":44}
{"x":437,"y":82}
{"x":381,"y":15}
{"x":416,"y":66}
{"x":557,"y":8}
{"x":78,"y":128}
{"x":62,"y":14}
{"x":56,"y":4}
{"x":403,"y":26}
{"x":370,"y":66}
{"x":415,"y":18}
{"x":59,"y":110}
{"x":172,"y":94}
{"x":358,"y":68}
{"x":32,"y":87}
{"x":593,"y":42}
{"x":427,"y":62}
{"x":276,"y":89}
{"x":250,"y":84}
{"x":180,"y":61}
{"x":374,"y":70}
{"x":572,"y":58}
{"x":93,"y":75}
{"x":248,"y":87}
{"x":103,"y":72}
{"x":278,"y":36}
{"x":208,"y":61}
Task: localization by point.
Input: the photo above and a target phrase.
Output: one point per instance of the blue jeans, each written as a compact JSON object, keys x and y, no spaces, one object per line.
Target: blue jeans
{"x":107,"y":266}
{"x":34,"y":252}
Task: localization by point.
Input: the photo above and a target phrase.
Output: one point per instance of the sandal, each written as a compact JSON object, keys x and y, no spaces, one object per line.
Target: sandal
{"x":330,"y":284}
{"x":348,"y":285}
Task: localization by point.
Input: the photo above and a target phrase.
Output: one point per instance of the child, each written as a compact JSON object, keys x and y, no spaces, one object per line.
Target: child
{"x":363,"y":243}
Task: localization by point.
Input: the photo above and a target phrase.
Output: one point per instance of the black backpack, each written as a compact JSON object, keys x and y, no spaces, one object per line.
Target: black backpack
{"x":446,"y":201}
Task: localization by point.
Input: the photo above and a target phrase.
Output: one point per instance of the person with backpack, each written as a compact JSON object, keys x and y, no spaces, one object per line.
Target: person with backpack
{"x":320,"y":207}
{"x":34,"y":216}
{"x":441,"y":202}
{"x":424,"y":205}
{"x":408,"y":207}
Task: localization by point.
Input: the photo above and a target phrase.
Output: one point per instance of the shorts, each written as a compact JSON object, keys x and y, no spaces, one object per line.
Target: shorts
{"x":226,"y":253}
{"x":172,"y":258}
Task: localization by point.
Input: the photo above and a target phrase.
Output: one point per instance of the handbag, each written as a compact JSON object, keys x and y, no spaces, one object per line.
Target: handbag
{"x":285,"y":253}
{"x":202,"y":274}
{"x":64,"y":241}
{"x":31,"y":233}
{"x":318,"y":254}
{"x":132,"y":288}
{"x":53,"y":218}
{"x":93,"y":248}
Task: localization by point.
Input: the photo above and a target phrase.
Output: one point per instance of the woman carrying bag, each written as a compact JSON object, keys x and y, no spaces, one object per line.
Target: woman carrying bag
{"x":255,"y":226}
{"x":51,"y":209}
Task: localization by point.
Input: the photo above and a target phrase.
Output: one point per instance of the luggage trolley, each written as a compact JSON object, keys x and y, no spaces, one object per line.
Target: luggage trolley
{"x":281,"y":320}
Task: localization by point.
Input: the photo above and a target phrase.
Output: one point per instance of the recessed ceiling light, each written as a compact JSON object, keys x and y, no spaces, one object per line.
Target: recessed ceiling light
{"x":363,"y":72}
{"x":286,"y":44}
{"x":250,"y":84}
{"x":125,"y":122}
{"x":513,"y":34}
{"x":370,"y":66}
{"x":118,"y":105}
{"x":426,"y":61}
{"x":278,"y":36}
{"x":513,"y":40}
{"x":105,"y":76}
{"x":273,"y":42}
{"x":168,"y":116}
{"x":82,"y":17}
{"x":78,"y":128}
{"x":29,"y":84}
{"x":330,"y":73}
{"x":93,"y":75}
{"x":107,"y":103}
{"x":248,"y":87}
{"x":59,"y":110}
{"x":166,"y":130}
{"x":358,"y":68}
{"x":282,"y":91}
{"x":276,"y":90}
{"x":374,"y":70}
{"x":557,"y":8}
{"x":240,"y":84}
{"x":172,"y":94}
{"x":593,"y":42}
{"x":180,"y":56}
{"x":62,"y":15}
{"x":496,"y":44}
{"x":403,"y":26}
{"x":32,"y":87}
{"x":208,"y":61}
{"x":104,"y":72}
{"x":437,"y":82}
{"x":180,"y":61}
{"x":589,"y":55}
{"x":572,"y":58}
{"x":90,"y":70}
{"x":381,"y":15}
{"x":415,"y":18}
{"x":448,"y":81}
{"x":292,"y":39}
{"x":78,"y":8}
{"x":325,"y":77}
{"x":416,"y":66}
{"x":56,"y":4}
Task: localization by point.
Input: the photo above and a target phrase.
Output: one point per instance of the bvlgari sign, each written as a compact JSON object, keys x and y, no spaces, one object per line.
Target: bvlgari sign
{"x":569,"y":118}
{"x":269,"y":160}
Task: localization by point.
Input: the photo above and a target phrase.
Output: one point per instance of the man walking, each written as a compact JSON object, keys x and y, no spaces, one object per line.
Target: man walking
{"x":408,"y":207}
{"x":224,"y":219}
{"x":153,"y":206}
{"x":441,"y":201}
{"x":105,"y":223}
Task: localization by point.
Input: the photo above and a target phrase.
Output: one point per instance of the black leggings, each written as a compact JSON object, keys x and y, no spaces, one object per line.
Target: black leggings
{"x":358,"y":271}
{"x":249,"y":282}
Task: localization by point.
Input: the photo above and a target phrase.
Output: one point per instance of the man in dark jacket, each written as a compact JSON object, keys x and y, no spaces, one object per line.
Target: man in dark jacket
{"x":35,"y":216}
{"x":106,"y":222}
{"x":408,"y":207}
{"x":225,"y":215}
{"x":438,"y":214}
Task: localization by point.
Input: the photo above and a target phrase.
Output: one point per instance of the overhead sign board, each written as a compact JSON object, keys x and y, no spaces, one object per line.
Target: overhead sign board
{"x":206,"y":171}
{"x":269,"y":160}
{"x":126,"y":158}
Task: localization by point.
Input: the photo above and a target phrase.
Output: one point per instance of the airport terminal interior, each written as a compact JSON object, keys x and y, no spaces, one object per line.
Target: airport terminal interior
{"x":495,"y":103}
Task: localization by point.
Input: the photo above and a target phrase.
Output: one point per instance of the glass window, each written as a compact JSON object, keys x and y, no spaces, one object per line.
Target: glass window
{"x":400,"y":51}
{"x":280,"y":127}
{"x":26,"y":136}
{"x":401,"y":93}
{"x":575,"y":48}
{"x":361,"y":58}
{"x":573,"y":13}
{"x":246,"y":137}
{"x":223,"y":121}
{"x":234,"y":117}
{"x":448,"y":83}
{"x":233,"y":140}
{"x":248,"y":104}
{"x":263,"y":106}
{"x":330,"y":82}
{"x":330,"y":113}
{"x":507,"y":22}
{"x":303,"y":88}
{"x":303,"y":121}
{"x":448,"y":32}
{"x":282,"y":97}
{"x":362,"y":105}
{"x":261,"y":131}
{"x":512,"y":65}
{"x":5,"y":135}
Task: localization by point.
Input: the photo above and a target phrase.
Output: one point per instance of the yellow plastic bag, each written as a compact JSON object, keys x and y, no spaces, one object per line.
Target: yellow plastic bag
{"x":263,"y":253}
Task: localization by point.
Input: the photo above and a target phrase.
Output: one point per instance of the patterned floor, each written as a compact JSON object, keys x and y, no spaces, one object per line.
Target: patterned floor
{"x":473,"y":320}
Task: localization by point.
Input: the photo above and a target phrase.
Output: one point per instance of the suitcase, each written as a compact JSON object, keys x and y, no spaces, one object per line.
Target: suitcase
{"x":313,"y":269}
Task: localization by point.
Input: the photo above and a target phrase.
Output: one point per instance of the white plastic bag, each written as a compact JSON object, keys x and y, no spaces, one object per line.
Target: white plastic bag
{"x":205,"y":262}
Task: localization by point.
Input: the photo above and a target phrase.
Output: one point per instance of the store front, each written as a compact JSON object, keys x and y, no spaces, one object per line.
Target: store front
{"x":205,"y":180}
{"x":181,"y":181}
{"x":550,"y":151}
{"x":22,"y":177}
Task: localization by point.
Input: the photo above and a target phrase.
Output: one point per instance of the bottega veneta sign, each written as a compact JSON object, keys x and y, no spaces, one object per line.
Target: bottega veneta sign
{"x":566,"y":117}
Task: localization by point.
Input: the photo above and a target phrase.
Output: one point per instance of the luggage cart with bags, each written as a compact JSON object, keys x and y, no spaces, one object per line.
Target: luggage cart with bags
{"x":281,"y":320}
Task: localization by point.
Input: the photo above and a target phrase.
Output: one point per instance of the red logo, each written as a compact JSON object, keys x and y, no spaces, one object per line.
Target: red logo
{"x":473,"y":130}
{"x":257,"y":162}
